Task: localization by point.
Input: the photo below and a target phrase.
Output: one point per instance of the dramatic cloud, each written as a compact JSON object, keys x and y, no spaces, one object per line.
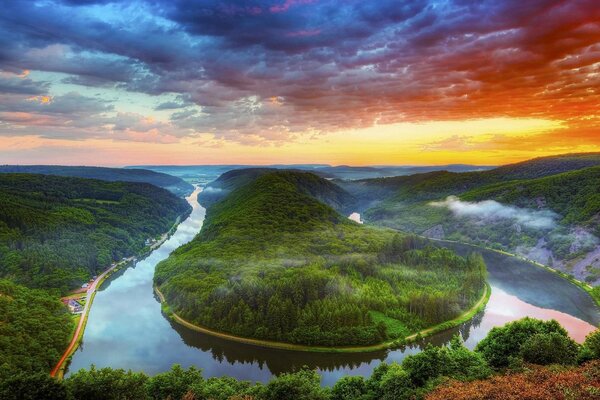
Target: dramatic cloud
{"x":270,"y":71}
{"x":491,"y":210}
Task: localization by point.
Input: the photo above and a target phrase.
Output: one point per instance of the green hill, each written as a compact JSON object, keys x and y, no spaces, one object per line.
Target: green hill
{"x":273,"y":262}
{"x":438,"y":184}
{"x":56,"y":232}
{"x":566,"y":185}
{"x":574,"y":195}
{"x":322,"y":189}
{"x":169,"y":182}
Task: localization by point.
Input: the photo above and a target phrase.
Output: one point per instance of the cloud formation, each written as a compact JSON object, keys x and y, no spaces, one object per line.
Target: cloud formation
{"x":331,"y":65}
{"x":491,"y":210}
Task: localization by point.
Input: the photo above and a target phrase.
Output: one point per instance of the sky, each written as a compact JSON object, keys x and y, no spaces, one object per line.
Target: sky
{"x":96,"y":82}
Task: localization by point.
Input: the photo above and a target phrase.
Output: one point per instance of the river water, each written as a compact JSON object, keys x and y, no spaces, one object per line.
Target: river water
{"x":126,"y":328}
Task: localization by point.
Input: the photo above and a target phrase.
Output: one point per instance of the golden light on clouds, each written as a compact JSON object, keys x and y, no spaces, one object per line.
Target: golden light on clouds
{"x":481,"y":141}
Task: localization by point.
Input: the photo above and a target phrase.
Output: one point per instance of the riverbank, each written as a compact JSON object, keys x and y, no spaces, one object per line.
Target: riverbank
{"x":584,"y":286}
{"x":467,"y":315}
{"x":60,"y":368}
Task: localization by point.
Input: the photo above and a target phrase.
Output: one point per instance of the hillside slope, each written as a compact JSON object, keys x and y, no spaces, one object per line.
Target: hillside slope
{"x":562,"y":190}
{"x":273,"y":262}
{"x":56,"y":232}
{"x":171,"y":183}
{"x":309,"y":183}
{"x":437,"y":184}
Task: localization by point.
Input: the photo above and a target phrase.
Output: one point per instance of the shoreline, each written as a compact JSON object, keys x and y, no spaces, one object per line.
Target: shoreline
{"x":582,"y":285}
{"x":59,"y":369}
{"x":464,"y":317}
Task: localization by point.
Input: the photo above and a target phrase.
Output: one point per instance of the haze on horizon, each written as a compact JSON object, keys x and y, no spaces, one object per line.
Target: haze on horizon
{"x":100,"y":82}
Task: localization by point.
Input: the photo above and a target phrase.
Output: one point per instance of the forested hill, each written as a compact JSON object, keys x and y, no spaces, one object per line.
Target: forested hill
{"x":562,"y":190}
{"x":56,"y":232}
{"x":575,"y":195}
{"x":273,"y":262}
{"x":169,"y":182}
{"x":437,"y":184}
{"x":309,"y":183}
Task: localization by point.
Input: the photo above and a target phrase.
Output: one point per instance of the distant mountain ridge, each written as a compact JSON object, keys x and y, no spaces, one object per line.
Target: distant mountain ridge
{"x":165,"y":181}
{"x":345,"y":172}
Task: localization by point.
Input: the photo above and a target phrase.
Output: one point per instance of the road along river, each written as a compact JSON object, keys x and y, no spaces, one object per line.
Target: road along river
{"x":126,"y":328}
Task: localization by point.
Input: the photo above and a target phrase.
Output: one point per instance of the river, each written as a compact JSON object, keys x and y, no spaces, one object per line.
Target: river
{"x":126,"y":328}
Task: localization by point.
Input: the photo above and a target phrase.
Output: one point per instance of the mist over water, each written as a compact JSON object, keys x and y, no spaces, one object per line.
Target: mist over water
{"x":493,"y":210}
{"x":126,"y":328}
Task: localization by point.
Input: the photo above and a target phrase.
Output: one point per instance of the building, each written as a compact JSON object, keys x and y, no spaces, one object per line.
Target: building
{"x":74,"y":306}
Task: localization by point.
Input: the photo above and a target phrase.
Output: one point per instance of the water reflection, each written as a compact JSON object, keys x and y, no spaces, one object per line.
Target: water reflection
{"x":126,"y":328}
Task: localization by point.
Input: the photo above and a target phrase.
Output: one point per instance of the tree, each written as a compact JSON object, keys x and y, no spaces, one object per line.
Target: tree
{"x":302,"y":385}
{"x":396,"y":384}
{"x":505,"y":342}
{"x":27,"y":386}
{"x":173,"y":384}
{"x":107,"y":384}
{"x":549,"y":348}
{"x":349,"y":388}
{"x":590,"y":350}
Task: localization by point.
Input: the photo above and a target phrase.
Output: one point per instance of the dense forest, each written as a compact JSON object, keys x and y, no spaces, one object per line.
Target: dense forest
{"x":526,"y":359}
{"x":321,"y":189}
{"x":563,"y":188}
{"x":273,"y":262}
{"x":165,"y":181}
{"x":34,"y":330}
{"x":57,"y":232}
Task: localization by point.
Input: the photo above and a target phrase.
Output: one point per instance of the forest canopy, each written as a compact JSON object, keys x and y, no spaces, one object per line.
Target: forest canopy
{"x":273,"y":262}
{"x":57,"y":232}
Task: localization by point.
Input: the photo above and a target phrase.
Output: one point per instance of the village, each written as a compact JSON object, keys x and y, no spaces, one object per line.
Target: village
{"x":75,"y":302}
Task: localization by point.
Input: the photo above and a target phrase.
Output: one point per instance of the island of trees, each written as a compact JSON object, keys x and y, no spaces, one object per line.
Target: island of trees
{"x":275,"y":262}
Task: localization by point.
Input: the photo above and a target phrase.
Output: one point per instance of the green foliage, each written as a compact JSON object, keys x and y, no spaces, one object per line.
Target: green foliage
{"x":173,"y":384}
{"x":349,"y":388}
{"x":414,"y":378}
{"x":223,"y":388}
{"x":273,"y":262}
{"x":302,"y":385}
{"x":32,"y":386}
{"x":591,"y":347}
{"x":574,"y":195}
{"x":34,"y":330}
{"x":549,"y":348}
{"x":165,"y":181}
{"x":107,"y":384}
{"x":501,"y":343}
{"x":321,"y":189}
{"x":396,"y":384}
{"x":455,"y":361}
{"x":56,"y":232}
{"x":438,"y":184}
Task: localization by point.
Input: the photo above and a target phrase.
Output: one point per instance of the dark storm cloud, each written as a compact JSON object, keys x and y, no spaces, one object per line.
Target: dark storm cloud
{"x":260,"y":67}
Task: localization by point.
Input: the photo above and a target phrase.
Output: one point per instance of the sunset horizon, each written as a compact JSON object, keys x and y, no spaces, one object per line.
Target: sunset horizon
{"x":297,"y":81}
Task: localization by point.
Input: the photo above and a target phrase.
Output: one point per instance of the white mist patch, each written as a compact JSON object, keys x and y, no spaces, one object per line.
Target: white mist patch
{"x":355,"y":217}
{"x":210,"y":189}
{"x":492,"y":210}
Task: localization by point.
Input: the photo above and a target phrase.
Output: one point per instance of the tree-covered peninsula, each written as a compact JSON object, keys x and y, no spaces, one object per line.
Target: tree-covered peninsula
{"x":273,"y":262}
{"x":56,"y":232}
